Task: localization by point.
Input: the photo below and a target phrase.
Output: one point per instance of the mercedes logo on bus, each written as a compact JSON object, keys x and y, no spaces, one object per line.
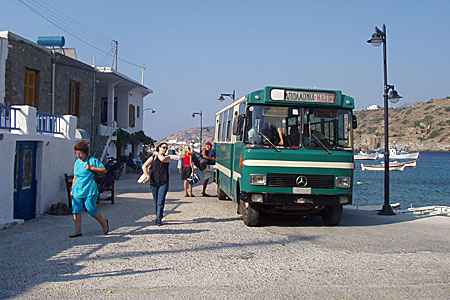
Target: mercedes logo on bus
{"x":301,"y":180}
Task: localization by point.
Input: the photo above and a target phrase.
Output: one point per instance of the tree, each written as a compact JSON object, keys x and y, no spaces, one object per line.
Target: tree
{"x":123,"y":139}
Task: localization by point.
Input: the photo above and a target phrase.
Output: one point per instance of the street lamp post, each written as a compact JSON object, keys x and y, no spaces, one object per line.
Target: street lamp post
{"x":201,"y":125}
{"x":378,"y":38}
{"x":232,"y":96}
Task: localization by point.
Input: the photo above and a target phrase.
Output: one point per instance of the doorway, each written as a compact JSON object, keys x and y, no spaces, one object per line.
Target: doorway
{"x":25,"y":181}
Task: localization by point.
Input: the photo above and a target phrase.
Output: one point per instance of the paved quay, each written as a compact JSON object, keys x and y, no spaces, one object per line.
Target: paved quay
{"x":204,"y":251}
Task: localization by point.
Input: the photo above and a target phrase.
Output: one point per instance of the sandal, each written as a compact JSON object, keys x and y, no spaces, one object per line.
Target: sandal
{"x":192,"y":195}
{"x":76,"y":234}
{"x":205,"y":195}
{"x":187,"y":195}
{"x":107,"y":227}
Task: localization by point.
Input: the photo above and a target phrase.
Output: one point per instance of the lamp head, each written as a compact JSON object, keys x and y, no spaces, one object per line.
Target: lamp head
{"x":394,"y":97}
{"x":376,"y":39}
{"x":221,"y":98}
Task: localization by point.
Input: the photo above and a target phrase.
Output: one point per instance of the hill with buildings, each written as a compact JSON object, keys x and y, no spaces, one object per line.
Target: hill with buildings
{"x":192,"y":135}
{"x":424,"y":126}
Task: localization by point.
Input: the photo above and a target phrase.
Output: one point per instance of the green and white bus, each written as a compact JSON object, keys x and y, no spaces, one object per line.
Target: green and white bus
{"x":285,"y":149}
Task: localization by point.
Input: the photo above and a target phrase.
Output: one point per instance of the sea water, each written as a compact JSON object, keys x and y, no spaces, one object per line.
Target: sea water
{"x":427,"y":184}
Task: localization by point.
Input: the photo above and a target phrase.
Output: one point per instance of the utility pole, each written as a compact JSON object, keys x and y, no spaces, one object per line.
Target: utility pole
{"x":143,"y":70}
{"x":117,"y":50}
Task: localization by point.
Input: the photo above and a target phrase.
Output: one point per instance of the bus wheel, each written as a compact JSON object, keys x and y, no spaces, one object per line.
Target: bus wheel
{"x":220,"y":194}
{"x":332,"y":215}
{"x":250,"y":213}
{"x":238,"y":201}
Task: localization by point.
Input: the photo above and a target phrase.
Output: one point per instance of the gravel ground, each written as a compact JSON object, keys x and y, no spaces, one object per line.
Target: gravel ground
{"x":204,"y":251}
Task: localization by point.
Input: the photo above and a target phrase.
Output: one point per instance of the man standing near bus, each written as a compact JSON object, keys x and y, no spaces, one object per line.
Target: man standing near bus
{"x":209,"y":155}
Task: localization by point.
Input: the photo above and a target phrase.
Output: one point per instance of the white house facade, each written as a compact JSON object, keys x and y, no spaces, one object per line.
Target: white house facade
{"x":122,"y":102}
{"x":33,"y":162}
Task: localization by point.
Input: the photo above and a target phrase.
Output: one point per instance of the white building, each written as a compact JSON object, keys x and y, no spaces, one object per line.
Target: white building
{"x":33,"y":162}
{"x":373,"y":107}
{"x":122,"y":106}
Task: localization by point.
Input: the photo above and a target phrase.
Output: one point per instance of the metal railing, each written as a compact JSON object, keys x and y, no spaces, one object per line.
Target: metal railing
{"x":48,"y":123}
{"x":8,"y":117}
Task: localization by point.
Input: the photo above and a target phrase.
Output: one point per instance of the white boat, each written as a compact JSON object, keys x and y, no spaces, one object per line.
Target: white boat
{"x":381,"y":168}
{"x":365,"y":156}
{"x":394,"y":154}
{"x":412,"y":163}
{"x":380,"y":155}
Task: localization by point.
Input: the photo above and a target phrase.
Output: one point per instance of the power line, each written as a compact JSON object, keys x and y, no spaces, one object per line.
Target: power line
{"x":62,"y":20}
{"x":41,"y":14}
{"x":74,"y":22}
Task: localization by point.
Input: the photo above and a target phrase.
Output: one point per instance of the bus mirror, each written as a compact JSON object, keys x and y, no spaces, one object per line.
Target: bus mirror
{"x":236,"y":126}
{"x":237,"y":122}
{"x":354,"y":122}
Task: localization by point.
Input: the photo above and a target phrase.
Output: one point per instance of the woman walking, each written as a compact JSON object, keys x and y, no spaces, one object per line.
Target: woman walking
{"x":187,"y":169}
{"x":84,"y":188}
{"x":159,"y":178}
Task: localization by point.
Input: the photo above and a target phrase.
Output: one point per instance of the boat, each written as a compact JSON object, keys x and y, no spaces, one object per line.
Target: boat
{"x":365,"y":156}
{"x":412,"y":163}
{"x":380,"y":155}
{"x":394,"y":154}
{"x":381,"y":168}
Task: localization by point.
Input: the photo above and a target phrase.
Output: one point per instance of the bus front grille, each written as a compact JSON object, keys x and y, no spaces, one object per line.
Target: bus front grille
{"x":290,"y":180}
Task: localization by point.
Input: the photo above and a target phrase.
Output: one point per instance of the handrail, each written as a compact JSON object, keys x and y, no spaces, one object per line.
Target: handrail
{"x":8,"y":117}
{"x":48,"y":123}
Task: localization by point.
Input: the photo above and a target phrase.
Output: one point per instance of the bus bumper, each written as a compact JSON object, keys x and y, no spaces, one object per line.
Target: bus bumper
{"x":279,"y":199}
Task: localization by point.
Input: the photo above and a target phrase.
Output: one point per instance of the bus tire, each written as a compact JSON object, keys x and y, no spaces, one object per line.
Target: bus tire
{"x":332,"y":215}
{"x":220,"y":194}
{"x":250,"y":214}
{"x":238,"y":201}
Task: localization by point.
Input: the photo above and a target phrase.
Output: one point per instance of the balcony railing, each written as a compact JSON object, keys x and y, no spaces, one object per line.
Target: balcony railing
{"x":8,"y":117}
{"x":48,"y":123}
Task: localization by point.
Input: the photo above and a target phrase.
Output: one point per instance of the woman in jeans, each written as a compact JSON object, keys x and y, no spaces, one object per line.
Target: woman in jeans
{"x":159,"y":178}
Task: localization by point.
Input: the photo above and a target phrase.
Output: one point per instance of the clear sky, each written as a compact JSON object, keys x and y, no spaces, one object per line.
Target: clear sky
{"x":195,"y":50}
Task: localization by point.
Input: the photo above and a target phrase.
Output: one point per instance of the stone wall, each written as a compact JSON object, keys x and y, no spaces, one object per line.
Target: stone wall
{"x":24,"y":54}
{"x":21,"y":55}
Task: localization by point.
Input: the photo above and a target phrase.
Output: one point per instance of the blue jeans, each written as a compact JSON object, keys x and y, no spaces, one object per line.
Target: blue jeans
{"x":159,"y":191}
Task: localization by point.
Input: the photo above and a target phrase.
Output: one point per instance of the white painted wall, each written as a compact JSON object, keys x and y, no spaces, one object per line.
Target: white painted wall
{"x":122,"y":106}
{"x":136,"y":99}
{"x":54,"y":157}
{"x":3,"y":57}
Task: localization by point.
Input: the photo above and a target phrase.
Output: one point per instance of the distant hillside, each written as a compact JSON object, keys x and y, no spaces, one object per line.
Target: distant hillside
{"x":193,"y":135}
{"x":424,"y":126}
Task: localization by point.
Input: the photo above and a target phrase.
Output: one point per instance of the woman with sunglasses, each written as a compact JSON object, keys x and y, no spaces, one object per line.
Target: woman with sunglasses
{"x":159,"y":178}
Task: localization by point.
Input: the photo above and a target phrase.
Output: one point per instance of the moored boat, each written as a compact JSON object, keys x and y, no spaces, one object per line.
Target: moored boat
{"x":381,"y":168}
{"x":412,"y":163}
{"x":394,"y":154}
{"x":365,"y":156}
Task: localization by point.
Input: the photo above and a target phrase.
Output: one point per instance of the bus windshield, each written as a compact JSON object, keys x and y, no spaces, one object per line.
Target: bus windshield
{"x":293,"y":127}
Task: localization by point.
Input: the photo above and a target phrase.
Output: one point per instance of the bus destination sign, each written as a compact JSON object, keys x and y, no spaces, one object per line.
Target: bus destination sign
{"x":302,"y":96}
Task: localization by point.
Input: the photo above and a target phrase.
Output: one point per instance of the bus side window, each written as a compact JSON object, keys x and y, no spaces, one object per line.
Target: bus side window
{"x":219,"y":136}
{"x":217,"y":129}
{"x":224,"y":128}
{"x":235,"y":124}
{"x":229,"y":124}
{"x":238,"y":123}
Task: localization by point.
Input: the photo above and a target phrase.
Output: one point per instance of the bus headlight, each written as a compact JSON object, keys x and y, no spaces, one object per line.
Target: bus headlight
{"x":257,"y":179}
{"x":343,"y":182}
